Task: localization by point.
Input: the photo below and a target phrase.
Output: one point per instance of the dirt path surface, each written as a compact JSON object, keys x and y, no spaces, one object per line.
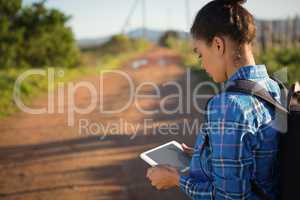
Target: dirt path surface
{"x":41,"y":157}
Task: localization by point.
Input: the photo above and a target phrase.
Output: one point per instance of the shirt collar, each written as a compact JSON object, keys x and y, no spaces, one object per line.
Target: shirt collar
{"x":254,"y":72}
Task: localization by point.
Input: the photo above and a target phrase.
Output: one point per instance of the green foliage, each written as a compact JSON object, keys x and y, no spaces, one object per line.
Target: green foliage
{"x":35,"y":36}
{"x":116,"y":50}
{"x":119,"y":44}
{"x":167,"y":38}
{"x":30,"y":87}
{"x":276,"y":59}
{"x":9,"y":8}
{"x":10,"y":35}
{"x":34,"y":85}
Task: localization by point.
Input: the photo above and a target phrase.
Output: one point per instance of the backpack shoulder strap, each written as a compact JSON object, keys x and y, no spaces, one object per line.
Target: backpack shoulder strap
{"x":284,"y":91}
{"x":259,"y":192}
{"x":253,"y":88}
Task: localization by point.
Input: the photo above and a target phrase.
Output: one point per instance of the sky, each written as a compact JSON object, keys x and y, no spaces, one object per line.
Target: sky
{"x":100,"y":18}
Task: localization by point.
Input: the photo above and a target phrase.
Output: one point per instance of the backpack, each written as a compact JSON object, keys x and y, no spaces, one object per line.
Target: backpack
{"x":290,"y":138}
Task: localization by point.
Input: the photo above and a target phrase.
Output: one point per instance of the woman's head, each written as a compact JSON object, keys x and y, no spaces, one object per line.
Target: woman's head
{"x":223,"y":32}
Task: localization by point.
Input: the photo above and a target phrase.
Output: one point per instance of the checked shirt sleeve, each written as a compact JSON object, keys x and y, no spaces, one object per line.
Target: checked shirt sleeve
{"x":196,"y":189}
{"x":231,"y":127}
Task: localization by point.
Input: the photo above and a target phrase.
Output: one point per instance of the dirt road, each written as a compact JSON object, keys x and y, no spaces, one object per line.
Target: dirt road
{"x":41,"y":157}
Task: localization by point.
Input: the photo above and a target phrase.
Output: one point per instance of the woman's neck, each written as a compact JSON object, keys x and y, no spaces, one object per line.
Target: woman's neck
{"x":242,"y":57}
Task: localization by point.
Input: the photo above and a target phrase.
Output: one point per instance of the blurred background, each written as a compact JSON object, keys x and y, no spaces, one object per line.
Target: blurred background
{"x":41,"y":157}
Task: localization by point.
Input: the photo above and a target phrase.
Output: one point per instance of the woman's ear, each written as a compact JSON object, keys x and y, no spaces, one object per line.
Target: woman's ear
{"x":219,"y":45}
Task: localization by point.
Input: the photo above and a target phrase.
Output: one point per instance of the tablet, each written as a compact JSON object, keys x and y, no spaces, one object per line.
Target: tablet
{"x":170,"y":153}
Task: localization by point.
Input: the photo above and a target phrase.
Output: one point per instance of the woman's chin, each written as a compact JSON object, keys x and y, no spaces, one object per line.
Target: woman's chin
{"x":217,"y":80}
{"x":214,"y":79}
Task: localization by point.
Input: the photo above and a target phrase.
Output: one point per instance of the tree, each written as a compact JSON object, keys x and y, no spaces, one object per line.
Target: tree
{"x":35,"y":36}
{"x":10,"y":36}
{"x":167,"y":36}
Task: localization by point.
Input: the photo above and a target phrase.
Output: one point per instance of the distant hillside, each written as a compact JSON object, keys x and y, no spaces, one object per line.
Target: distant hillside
{"x":152,"y":35}
{"x":91,"y":42}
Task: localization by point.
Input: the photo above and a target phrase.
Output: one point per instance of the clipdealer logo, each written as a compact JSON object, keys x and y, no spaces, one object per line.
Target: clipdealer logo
{"x":188,"y":98}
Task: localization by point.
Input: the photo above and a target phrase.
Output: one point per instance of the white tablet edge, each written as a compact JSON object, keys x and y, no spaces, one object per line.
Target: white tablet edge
{"x":151,"y":162}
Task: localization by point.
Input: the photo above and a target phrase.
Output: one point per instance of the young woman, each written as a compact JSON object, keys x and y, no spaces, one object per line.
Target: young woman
{"x":235,"y":154}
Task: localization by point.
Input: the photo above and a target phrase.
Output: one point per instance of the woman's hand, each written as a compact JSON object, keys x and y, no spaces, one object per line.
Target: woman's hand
{"x":163,"y":176}
{"x":188,"y":150}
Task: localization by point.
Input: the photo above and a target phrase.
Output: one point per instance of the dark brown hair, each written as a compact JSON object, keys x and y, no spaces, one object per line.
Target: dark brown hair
{"x":224,"y":18}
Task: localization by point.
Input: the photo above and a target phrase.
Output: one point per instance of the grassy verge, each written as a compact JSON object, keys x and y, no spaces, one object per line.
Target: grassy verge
{"x":35,"y":85}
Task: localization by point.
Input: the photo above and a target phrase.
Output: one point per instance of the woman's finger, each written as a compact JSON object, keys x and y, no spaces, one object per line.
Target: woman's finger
{"x":149,"y":172}
{"x":184,"y":146}
{"x":187,"y":149}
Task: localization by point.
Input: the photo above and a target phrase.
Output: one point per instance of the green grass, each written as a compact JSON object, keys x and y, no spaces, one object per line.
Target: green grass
{"x":36,"y":85}
{"x":31,"y":87}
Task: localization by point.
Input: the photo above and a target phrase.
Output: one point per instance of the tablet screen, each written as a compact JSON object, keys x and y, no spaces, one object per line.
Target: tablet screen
{"x":171,"y":155}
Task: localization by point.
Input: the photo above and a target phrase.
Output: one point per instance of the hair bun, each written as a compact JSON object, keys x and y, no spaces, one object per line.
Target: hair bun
{"x":232,"y":2}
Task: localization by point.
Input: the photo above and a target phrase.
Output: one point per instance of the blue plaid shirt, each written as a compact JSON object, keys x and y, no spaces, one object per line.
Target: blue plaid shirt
{"x":236,"y":144}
